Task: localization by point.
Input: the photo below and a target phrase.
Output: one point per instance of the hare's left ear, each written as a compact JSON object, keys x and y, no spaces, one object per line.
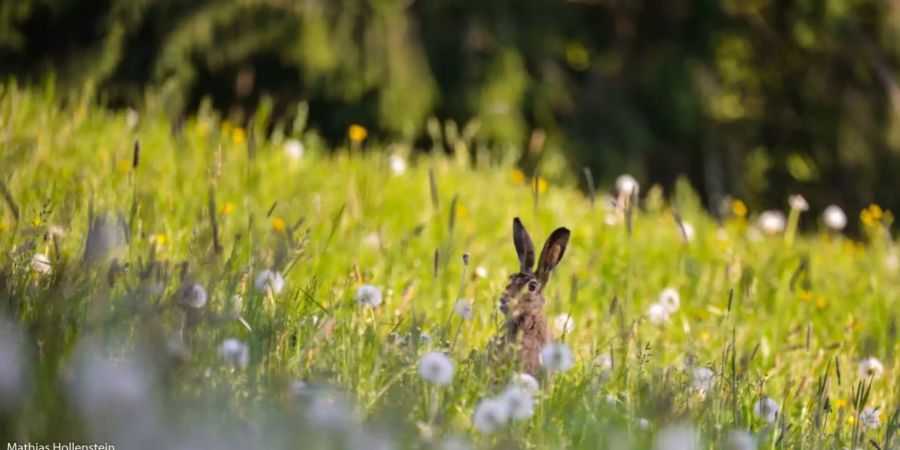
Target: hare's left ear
{"x":553,"y":251}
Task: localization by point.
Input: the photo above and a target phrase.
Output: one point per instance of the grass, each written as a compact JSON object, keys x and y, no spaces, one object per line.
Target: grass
{"x":106,"y":356}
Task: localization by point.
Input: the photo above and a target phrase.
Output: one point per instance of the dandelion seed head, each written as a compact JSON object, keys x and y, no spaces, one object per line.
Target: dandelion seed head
{"x":871,"y":367}
{"x":40,"y":263}
{"x":870,"y":417}
{"x":527,"y":382}
{"x":670,"y":299}
{"x":703,"y":379}
{"x":463,"y":309}
{"x":481,"y":272}
{"x":557,"y":357}
{"x":368,"y":295}
{"x":677,"y":437}
{"x":772,"y":222}
{"x":397,"y":164}
{"x":797,"y":202}
{"x":234,"y":353}
{"x":834,"y":217}
{"x":563,"y":324}
{"x":766,"y":409}
{"x":425,"y":338}
{"x":294,"y":149}
{"x":658,"y":314}
{"x":627,"y":185}
{"x":436,"y":368}
{"x":192,"y":296}
{"x":269,"y":279}
{"x":519,"y":402}
{"x":490,"y":415}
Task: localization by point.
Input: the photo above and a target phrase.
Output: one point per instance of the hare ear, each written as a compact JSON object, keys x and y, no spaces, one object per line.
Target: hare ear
{"x":553,"y":251}
{"x":524,"y":246}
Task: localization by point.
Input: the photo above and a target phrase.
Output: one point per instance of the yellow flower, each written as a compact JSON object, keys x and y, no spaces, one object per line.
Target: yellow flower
{"x":227,"y":208}
{"x":840,"y":403}
{"x":739,"y":208}
{"x":461,"y":211}
{"x":517,"y":176}
{"x":159,"y":239}
{"x":278,"y":224}
{"x":821,"y":303}
{"x":3,"y":226}
{"x":36,"y":222}
{"x":541,"y":184}
{"x":872,"y":215}
{"x":804,"y":295}
{"x":239,"y":136}
{"x":851,"y":420}
{"x":357,"y":133}
{"x":123,"y":166}
{"x":704,"y":336}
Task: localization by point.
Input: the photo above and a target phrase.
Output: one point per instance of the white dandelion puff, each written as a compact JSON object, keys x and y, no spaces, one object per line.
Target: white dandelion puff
{"x":799,"y":203}
{"x":657,"y":314}
{"x":463,"y":309}
{"x":490,"y":415}
{"x":294,"y":149}
{"x":192,"y":296}
{"x":234,"y":353}
{"x":40,"y":263}
{"x":425,"y":338}
{"x":397,"y":164}
{"x":766,"y":409}
{"x":368,"y":295}
{"x":703,"y":379}
{"x":557,"y":357}
{"x":527,"y":382}
{"x":670,"y":299}
{"x":772,"y":222}
{"x":643,"y":423}
{"x":564,"y":324}
{"x":739,"y":440}
{"x":834,"y":217}
{"x":627,"y":185}
{"x":688,"y":231}
{"x":481,"y":272}
{"x":870,"y":417}
{"x":519,"y":402}
{"x":437,"y":368}
{"x":871,"y":368}
{"x":677,"y":437}
{"x":269,"y":279}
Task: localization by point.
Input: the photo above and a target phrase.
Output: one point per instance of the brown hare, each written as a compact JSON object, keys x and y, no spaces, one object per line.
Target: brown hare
{"x":523,"y":300}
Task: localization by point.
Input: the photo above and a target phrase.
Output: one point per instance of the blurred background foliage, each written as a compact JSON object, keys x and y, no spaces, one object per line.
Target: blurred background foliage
{"x":754,"y":99}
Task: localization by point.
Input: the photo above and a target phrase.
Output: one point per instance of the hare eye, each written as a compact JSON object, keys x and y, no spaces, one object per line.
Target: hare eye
{"x":532,"y":285}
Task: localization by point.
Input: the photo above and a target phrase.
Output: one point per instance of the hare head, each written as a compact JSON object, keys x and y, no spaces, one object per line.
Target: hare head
{"x":522,"y":300}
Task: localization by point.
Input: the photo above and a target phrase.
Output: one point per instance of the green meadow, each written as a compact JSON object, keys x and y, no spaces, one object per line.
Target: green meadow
{"x":200,"y":284}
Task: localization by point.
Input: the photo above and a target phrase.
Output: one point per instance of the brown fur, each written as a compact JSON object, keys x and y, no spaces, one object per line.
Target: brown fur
{"x":522,"y":301}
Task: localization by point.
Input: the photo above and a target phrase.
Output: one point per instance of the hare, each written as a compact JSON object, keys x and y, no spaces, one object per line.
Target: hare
{"x":522,"y":300}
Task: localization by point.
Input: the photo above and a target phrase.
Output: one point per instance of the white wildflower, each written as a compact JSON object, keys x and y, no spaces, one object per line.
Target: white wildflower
{"x":563,"y":324}
{"x":557,"y":357}
{"x":519,"y":402}
{"x":269,"y":279}
{"x":527,"y":382}
{"x":766,"y":409}
{"x":490,"y":415}
{"x":772,"y":222}
{"x":643,"y":423}
{"x":658,"y":314}
{"x":704,"y":379}
{"x":368,"y":295}
{"x":677,"y":437}
{"x":192,"y":296}
{"x":797,"y":202}
{"x":627,"y":185}
{"x":132,"y":117}
{"x":739,"y":440}
{"x":436,"y":367}
{"x":481,"y":272}
{"x":834,"y":217}
{"x":870,"y":417}
{"x":871,"y":368}
{"x":604,"y":362}
{"x":670,"y":299}
{"x":463,"y":309}
{"x":397,"y":164}
{"x":234,"y":353}
{"x":294,"y":149}
{"x":40,"y":263}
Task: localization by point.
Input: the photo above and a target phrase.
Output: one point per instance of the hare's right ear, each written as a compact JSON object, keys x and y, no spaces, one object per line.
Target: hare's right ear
{"x":524,"y":246}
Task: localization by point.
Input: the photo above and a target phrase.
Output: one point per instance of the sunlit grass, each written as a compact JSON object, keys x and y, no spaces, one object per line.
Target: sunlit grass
{"x":211,"y":204}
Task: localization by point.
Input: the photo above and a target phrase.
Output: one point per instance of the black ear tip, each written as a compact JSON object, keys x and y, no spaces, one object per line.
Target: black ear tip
{"x":516,"y":221}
